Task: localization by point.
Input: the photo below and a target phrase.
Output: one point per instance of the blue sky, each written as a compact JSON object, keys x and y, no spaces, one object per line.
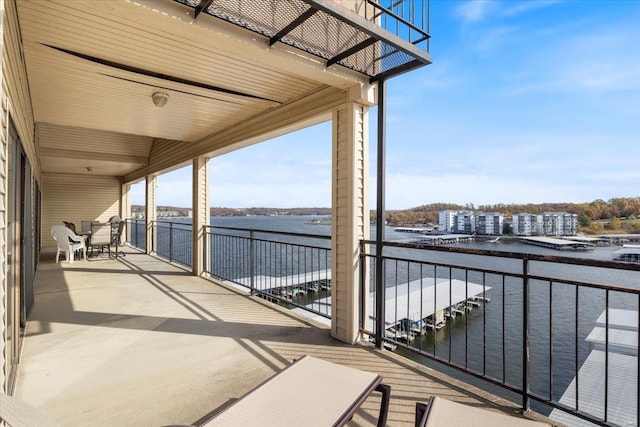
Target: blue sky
{"x":525,"y":102}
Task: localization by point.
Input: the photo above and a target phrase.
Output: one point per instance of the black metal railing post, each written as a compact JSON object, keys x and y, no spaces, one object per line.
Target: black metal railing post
{"x":380,"y":217}
{"x":252,"y":260}
{"x":525,"y":335}
{"x":363,"y":287}
{"x":170,"y":242}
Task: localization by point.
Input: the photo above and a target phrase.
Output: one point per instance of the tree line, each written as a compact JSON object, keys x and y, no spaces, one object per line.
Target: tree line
{"x":617,"y":214}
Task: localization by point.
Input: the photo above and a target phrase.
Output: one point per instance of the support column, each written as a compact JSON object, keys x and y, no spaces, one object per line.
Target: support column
{"x":150,"y":213}
{"x":200,"y":215}
{"x":125,"y":209}
{"x":350,"y":218}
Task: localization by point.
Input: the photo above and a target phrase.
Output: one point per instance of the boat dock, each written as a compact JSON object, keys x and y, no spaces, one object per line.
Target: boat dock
{"x":445,"y":239}
{"x":418,"y":306}
{"x":628,"y":253}
{"x":619,"y":239}
{"x":621,"y":362}
{"x":553,"y":243}
{"x":595,"y":241}
{"x":413,"y":230}
{"x":290,"y":286}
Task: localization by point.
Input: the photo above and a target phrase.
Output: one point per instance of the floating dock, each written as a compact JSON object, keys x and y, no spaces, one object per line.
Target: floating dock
{"x":553,"y":243}
{"x":445,"y":239}
{"x":418,"y":306}
{"x":622,"y":363}
{"x":290,"y":286}
{"x":628,"y":253}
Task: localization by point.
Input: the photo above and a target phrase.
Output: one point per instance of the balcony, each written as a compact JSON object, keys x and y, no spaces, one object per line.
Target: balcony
{"x":139,"y":341}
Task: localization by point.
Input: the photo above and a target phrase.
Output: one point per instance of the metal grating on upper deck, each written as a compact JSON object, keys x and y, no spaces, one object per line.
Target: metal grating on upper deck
{"x":377,"y":38}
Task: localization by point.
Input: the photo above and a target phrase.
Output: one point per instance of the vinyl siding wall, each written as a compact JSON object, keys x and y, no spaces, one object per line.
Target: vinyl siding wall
{"x":75,"y":198}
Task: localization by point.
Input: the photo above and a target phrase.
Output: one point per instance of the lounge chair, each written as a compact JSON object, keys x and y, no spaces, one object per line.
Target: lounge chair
{"x":442,"y":412}
{"x":16,"y":413}
{"x":310,"y":392}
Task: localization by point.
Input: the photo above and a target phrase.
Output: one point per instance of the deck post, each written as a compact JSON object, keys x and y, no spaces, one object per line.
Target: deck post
{"x":200,"y":214}
{"x":350,"y":212}
{"x":125,"y":208}
{"x":150,"y":212}
{"x":380,"y":216}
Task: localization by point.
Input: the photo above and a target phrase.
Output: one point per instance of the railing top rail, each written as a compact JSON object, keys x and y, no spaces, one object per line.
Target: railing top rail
{"x":274,"y":232}
{"x":620,"y":265}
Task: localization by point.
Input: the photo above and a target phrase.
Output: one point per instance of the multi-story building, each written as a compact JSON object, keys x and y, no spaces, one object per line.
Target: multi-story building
{"x":547,"y":223}
{"x":445,"y":220}
{"x":464,"y":222}
{"x":526,"y":224}
{"x":489,"y":223}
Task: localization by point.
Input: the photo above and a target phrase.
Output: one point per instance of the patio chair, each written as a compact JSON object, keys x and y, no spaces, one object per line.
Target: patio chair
{"x":100,"y":237}
{"x":442,"y":412}
{"x":117,"y":231}
{"x":71,"y":226}
{"x":17,"y":413}
{"x":85,"y":226}
{"x":68,"y":242}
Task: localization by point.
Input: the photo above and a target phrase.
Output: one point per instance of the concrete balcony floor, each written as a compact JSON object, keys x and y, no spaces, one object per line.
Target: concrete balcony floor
{"x":136,"y":341}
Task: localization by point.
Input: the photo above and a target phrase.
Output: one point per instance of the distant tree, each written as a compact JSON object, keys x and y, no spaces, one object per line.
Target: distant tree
{"x":507,"y":228}
{"x":614,"y":224}
{"x":583,"y":219}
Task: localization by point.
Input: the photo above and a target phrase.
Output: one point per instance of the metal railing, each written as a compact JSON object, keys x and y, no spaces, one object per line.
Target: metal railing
{"x":136,"y":235}
{"x":290,"y":268}
{"x":408,"y":19}
{"x":173,"y":241}
{"x":544,"y":328}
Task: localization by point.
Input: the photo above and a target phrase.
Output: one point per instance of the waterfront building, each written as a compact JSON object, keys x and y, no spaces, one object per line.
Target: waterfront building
{"x":464,"y":222}
{"x":526,"y":224}
{"x":446,"y":220}
{"x":546,"y":223}
{"x":559,"y":224}
{"x":489,"y":223}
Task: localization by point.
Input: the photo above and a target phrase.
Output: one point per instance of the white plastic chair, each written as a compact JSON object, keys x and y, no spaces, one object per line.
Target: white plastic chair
{"x":68,"y":242}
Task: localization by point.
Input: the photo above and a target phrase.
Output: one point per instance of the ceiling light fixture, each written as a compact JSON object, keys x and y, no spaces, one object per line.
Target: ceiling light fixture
{"x":160,"y":99}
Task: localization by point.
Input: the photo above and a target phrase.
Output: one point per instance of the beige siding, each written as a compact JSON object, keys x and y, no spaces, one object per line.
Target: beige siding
{"x":4,"y":137}
{"x":16,"y":104}
{"x":75,"y":198}
{"x":350,"y":216}
{"x":14,"y":76}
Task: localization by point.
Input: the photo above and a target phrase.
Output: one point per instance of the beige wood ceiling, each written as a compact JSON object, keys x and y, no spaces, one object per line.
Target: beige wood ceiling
{"x":93,"y":65}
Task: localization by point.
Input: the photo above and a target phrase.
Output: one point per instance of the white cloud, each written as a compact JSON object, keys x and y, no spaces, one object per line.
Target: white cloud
{"x":474,"y":10}
{"x":517,"y":8}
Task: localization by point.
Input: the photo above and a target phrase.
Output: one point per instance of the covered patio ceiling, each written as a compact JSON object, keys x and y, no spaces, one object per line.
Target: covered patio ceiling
{"x":93,"y":66}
